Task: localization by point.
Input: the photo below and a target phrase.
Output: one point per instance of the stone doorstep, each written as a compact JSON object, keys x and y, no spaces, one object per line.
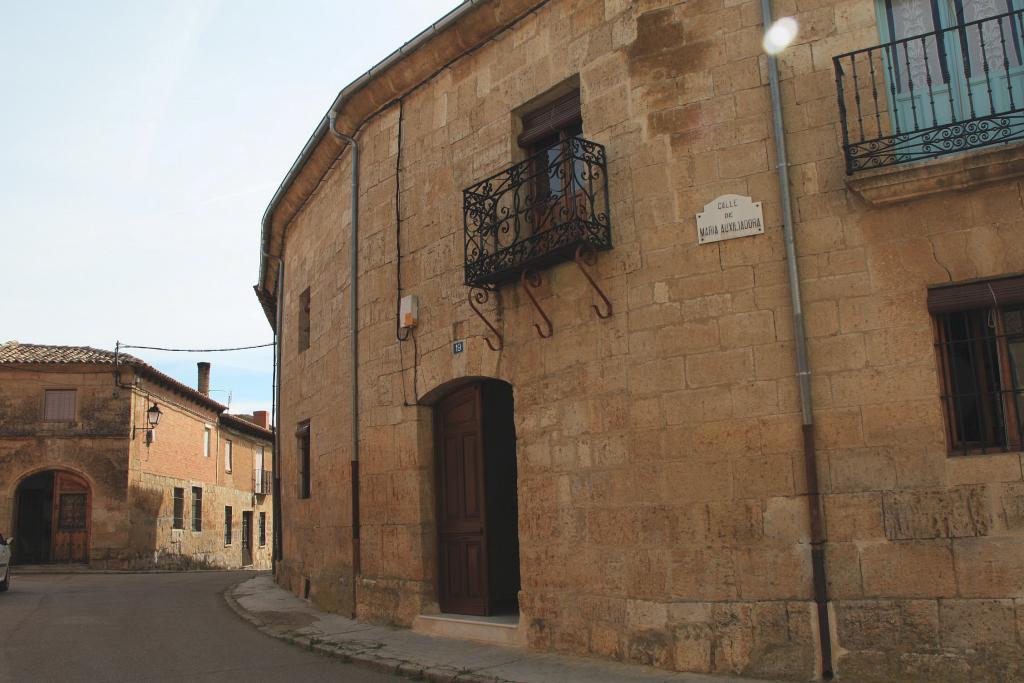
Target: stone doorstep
{"x":507,"y":631}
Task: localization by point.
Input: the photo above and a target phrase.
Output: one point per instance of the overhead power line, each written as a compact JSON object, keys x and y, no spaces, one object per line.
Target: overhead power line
{"x":160,"y":348}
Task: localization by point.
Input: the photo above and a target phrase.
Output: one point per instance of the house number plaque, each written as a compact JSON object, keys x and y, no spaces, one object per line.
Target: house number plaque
{"x":729,"y":216}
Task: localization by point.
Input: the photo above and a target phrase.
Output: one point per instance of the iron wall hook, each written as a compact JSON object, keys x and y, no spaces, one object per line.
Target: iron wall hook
{"x":588,"y":255}
{"x":482,"y":296}
{"x":530,"y":279}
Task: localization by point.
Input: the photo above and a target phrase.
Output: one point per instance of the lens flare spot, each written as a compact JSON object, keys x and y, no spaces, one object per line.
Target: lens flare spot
{"x":780,"y":35}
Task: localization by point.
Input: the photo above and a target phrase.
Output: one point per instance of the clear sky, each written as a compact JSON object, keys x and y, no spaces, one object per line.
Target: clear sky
{"x":140,"y":143}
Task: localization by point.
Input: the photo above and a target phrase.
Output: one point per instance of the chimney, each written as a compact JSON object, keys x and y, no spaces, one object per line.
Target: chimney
{"x":260,"y":418}
{"x":203,"y":385}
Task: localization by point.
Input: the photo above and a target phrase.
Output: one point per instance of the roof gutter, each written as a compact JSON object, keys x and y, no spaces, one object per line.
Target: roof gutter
{"x":325,"y":125}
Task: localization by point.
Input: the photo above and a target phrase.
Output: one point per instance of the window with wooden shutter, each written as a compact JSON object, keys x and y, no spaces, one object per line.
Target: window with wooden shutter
{"x":59,"y":405}
{"x":980,"y":341}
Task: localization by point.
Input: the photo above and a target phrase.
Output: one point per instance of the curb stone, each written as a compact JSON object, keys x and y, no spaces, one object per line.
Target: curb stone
{"x":395,"y":651}
{"x":361,"y":658}
{"x":22,"y":570}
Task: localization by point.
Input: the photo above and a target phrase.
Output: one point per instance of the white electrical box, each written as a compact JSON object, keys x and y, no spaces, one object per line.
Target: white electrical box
{"x":409,"y":311}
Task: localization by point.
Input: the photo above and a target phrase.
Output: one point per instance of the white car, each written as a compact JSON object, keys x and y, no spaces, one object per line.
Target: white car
{"x":5,"y":563}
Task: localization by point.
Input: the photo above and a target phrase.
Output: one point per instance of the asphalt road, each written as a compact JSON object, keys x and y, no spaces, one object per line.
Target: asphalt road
{"x":146,"y":627}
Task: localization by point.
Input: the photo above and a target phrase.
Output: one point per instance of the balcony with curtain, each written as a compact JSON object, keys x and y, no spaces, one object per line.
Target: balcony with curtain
{"x":949,"y":79}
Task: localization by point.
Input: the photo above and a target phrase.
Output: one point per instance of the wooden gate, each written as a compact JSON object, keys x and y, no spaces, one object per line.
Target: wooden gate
{"x":72,"y":519}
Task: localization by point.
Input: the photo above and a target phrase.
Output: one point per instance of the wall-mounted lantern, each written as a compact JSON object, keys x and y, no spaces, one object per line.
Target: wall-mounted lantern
{"x":152,"y":420}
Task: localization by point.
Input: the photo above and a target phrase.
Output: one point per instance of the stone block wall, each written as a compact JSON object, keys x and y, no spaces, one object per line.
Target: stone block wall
{"x":661,"y":481}
{"x":131,"y":482}
{"x":155,"y":543}
{"x":93,"y":446}
{"x":176,"y":459}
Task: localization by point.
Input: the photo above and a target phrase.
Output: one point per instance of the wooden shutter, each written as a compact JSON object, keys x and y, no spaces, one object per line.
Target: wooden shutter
{"x":1001,"y":291}
{"x":59,"y":405}
{"x":541,"y":123}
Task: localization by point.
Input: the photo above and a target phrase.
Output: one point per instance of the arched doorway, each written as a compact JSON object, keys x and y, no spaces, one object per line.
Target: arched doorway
{"x":477,"y":505}
{"x":53,"y":511}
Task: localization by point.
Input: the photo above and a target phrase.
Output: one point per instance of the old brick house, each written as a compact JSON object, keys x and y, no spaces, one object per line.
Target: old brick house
{"x":617,"y":428}
{"x":83,"y":477}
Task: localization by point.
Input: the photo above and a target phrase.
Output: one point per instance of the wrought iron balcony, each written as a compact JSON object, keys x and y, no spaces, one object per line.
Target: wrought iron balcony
{"x":536,"y":213}
{"x":924,"y":96}
{"x":262,"y":482}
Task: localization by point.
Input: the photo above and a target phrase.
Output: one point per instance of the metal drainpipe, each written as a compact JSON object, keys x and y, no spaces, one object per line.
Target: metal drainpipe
{"x":818,"y":538}
{"x":354,"y":314}
{"x":279,"y":316}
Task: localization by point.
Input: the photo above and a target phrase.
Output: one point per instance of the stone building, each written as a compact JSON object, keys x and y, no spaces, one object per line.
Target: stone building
{"x":85,"y":478}
{"x":616,"y":430}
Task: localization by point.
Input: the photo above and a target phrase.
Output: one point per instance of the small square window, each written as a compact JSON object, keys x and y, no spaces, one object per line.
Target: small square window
{"x":59,"y":405}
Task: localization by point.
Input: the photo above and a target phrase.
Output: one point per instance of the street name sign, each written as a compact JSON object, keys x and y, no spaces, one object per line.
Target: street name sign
{"x":728,"y":217}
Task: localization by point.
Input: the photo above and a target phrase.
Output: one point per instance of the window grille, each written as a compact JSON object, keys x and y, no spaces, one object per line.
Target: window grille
{"x":197,"y":508}
{"x":179,"y":509}
{"x":227,"y":525}
{"x":980,"y":347}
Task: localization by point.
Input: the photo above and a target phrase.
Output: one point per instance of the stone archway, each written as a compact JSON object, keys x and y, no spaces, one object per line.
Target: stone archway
{"x":53,"y":518}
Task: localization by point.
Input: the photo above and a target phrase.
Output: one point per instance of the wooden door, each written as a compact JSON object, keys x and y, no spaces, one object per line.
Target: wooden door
{"x":246,"y":539}
{"x":71,"y":518}
{"x":461,"y":513}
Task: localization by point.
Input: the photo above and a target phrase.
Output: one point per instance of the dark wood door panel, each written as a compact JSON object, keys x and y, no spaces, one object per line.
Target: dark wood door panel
{"x":462,"y":580}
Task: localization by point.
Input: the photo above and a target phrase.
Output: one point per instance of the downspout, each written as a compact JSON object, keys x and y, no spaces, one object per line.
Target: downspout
{"x":279,"y":317}
{"x":817,"y":529}
{"x":354,"y":315}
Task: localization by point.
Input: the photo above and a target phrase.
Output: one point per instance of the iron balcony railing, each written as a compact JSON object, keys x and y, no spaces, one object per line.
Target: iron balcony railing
{"x":951,"y":90}
{"x":262,"y":482}
{"x":536,"y":213}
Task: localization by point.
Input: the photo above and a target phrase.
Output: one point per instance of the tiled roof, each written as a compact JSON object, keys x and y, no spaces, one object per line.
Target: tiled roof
{"x":15,"y":352}
{"x":239,"y":422}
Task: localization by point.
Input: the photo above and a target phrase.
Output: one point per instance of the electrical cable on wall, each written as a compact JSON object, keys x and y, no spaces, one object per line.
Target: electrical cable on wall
{"x":398,"y":228}
{"x":398,"y":271}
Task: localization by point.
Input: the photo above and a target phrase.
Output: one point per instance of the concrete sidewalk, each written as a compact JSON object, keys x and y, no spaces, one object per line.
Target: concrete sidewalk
{"x":282,"y":615}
